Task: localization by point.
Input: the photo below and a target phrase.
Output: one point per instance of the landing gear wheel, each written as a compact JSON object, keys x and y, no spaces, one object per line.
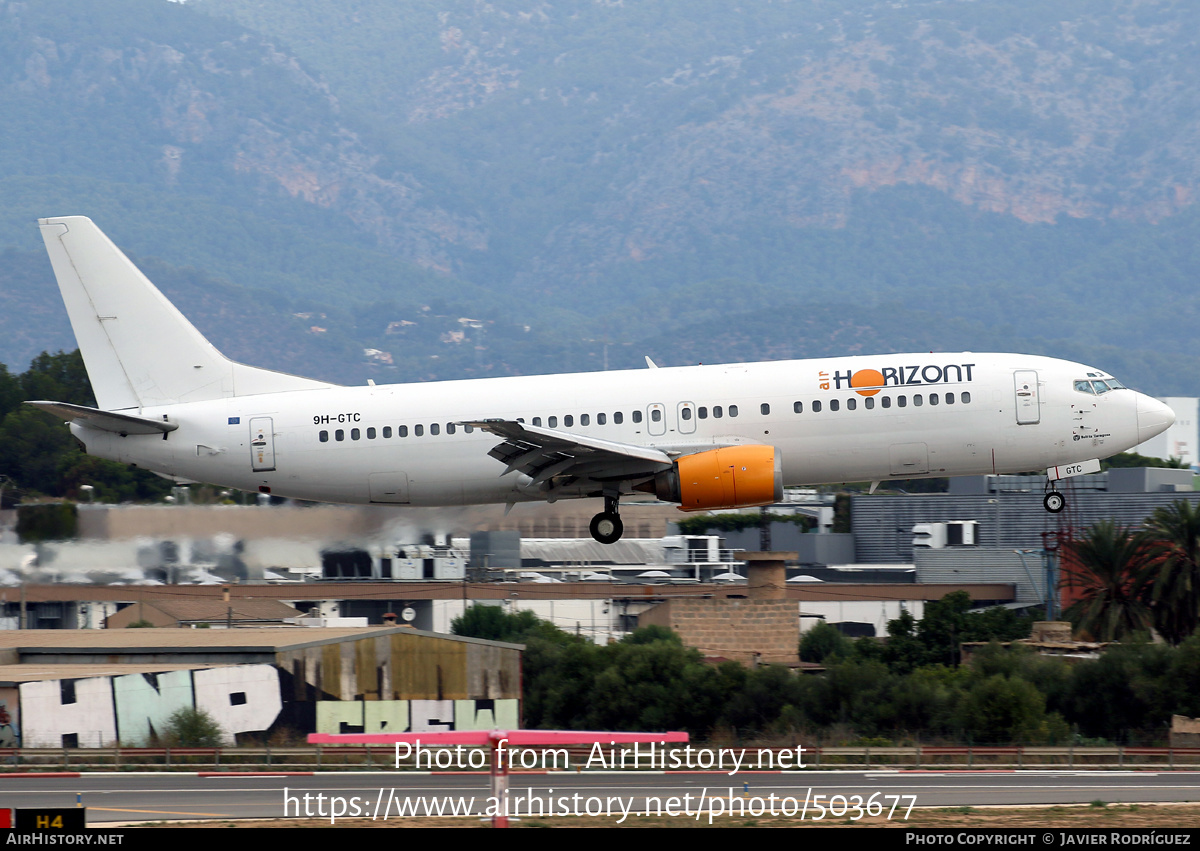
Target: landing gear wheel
{"x":607,"y":527}
{"x":1054,"y":502}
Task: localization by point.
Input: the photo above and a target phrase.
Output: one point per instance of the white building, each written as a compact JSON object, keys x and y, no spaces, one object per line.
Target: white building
{"x":1182,"y":439}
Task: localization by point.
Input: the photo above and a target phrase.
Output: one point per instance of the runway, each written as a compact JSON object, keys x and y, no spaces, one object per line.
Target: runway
{"x":396,"y":795}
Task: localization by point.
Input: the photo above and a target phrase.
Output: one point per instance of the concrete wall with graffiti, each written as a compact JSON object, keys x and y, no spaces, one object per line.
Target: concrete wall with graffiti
{"x":101,"y":711}
{"x":132,"y":709}
{"x":417,"y":716}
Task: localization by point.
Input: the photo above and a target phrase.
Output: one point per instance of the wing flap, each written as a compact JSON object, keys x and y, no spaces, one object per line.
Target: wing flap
{"x":543,"y":453}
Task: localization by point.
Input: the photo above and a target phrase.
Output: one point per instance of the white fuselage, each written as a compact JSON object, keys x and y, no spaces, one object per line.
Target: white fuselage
{"x":933,"y":415}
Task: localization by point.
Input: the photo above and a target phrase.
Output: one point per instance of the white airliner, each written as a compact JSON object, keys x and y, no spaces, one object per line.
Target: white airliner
{"x":704,"y":437}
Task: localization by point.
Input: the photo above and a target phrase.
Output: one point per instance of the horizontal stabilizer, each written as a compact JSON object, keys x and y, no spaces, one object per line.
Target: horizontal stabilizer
{"x":106,"y":420}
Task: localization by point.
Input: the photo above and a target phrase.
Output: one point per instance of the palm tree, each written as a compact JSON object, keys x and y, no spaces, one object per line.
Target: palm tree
{"x":1173,"y":569}
{"x":1105,"y":569}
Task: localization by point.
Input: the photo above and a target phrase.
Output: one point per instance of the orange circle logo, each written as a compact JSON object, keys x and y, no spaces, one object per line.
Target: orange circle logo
{"x":869,"y":380}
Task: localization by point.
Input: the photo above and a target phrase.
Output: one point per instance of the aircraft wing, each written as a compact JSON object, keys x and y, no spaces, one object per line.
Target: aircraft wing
{"x":543,"y":453}
{"x":106,"y":420}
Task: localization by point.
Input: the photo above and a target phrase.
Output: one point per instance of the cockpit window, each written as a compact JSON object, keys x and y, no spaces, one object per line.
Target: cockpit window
{"x":1098,"y":386}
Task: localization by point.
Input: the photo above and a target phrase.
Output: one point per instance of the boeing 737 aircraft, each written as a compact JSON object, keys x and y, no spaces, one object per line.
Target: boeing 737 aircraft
{"x":705,"y":437}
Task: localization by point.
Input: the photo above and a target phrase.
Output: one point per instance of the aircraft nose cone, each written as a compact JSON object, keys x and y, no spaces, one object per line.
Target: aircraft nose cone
{"x":1153,"y":417}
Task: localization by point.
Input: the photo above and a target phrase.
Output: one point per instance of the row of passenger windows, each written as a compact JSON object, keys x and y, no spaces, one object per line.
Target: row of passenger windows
{"x":656,"y":415}
{"x":901,"y":401}
{"x":386,"y":432}
{"x":884,"y":402}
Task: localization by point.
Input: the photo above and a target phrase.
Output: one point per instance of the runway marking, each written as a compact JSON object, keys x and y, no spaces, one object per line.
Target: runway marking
{"x":155,"y":812}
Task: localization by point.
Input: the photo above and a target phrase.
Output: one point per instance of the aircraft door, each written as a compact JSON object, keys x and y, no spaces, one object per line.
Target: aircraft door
{"x":389,"y":487}
{"x":262,"y":445}
{"x":656,"y":416}
{"x":1029,"y":409}
{"x":686,"y":414}
{"x":909,"y":459}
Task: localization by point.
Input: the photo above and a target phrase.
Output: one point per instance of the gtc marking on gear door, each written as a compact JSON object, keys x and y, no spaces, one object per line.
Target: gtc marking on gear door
{"x":1029,"y":410}
{"x":262,"y":445}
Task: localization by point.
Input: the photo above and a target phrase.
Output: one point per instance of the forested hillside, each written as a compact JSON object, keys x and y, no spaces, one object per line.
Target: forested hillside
{"x":473,"y":189}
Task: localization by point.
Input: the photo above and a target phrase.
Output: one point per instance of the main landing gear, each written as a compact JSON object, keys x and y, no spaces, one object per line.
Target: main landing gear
{"x":606,"y":527}
{"x":1054,"y":502}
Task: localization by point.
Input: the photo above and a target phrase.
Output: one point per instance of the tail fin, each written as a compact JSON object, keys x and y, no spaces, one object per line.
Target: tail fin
{"x":139,"y":350}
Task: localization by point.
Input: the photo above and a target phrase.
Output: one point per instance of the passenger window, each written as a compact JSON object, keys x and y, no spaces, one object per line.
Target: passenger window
{"x":798,"y":407}
{"x":618,"y":418}
{"x":552,"y":422}
{"x":370,"y":434}
{"x":686,"y":413}
{"x":568,"y":421}
{"x":887,"y":401}
{"x":901,"y":401}
{"x":418,"y":430}
{"x":949,"y":398}
{"x":355,"y":434}
{"x":870,"y":403}
{"x":816,"y":406}
{"x":764,"y":408}
{"x":717,"y":414}
{"x":339,"y":435}
{"x":702,"y":413}
{"x":323,"y":437}
{"x":851,"y":404}
{"x":537,"y":421}
{"x":402,"y":431}
{"x":584,"y":419}
{"x":834,"y":404}
{"x":601,"y":419}
{"x":450,"y":428}
{"x":434,"y":428}
{"x":656,"y":415}
{"x":637,"y":416}
{"x":918,"y":400}
{"x":733,"y":410}
{"x":387,"y":431}
{"x":468,"y":429}
{"x":966,"y":397}
{"x":933,"y":399}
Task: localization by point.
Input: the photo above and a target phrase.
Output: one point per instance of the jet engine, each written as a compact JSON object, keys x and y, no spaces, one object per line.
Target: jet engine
{"x":731,"y":477}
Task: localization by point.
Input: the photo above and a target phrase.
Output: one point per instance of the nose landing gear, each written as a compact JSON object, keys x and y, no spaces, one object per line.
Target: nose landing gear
{"x":606,"y":527}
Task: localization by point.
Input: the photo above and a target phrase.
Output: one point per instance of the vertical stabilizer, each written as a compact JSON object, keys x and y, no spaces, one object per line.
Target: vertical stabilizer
{"x":139,"y":350}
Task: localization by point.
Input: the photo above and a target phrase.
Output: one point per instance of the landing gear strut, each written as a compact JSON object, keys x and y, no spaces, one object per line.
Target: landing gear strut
{"x":1054,"y":502}
{"x":606,"y":527}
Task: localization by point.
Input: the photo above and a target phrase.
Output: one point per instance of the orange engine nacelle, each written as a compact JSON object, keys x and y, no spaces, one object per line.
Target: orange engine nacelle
{"x":732,"y":477}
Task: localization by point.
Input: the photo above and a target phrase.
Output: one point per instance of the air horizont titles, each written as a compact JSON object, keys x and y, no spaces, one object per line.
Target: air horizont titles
{"x":868,"y":382}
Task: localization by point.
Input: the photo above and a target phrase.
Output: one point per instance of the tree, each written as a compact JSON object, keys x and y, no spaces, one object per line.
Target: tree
{"x":944,"y":628}
{"x":495,"y":624}
{"x":191,"y":727}
{"x":1107,"y":569}
{"x":822,"y":641}
{"x":1173,"y":569}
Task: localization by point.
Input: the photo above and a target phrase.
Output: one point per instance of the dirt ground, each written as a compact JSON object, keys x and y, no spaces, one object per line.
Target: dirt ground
{"x":1091,"y":816}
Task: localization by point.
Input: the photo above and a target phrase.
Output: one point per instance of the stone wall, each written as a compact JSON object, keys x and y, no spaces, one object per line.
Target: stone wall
{"x":736,"y":629}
